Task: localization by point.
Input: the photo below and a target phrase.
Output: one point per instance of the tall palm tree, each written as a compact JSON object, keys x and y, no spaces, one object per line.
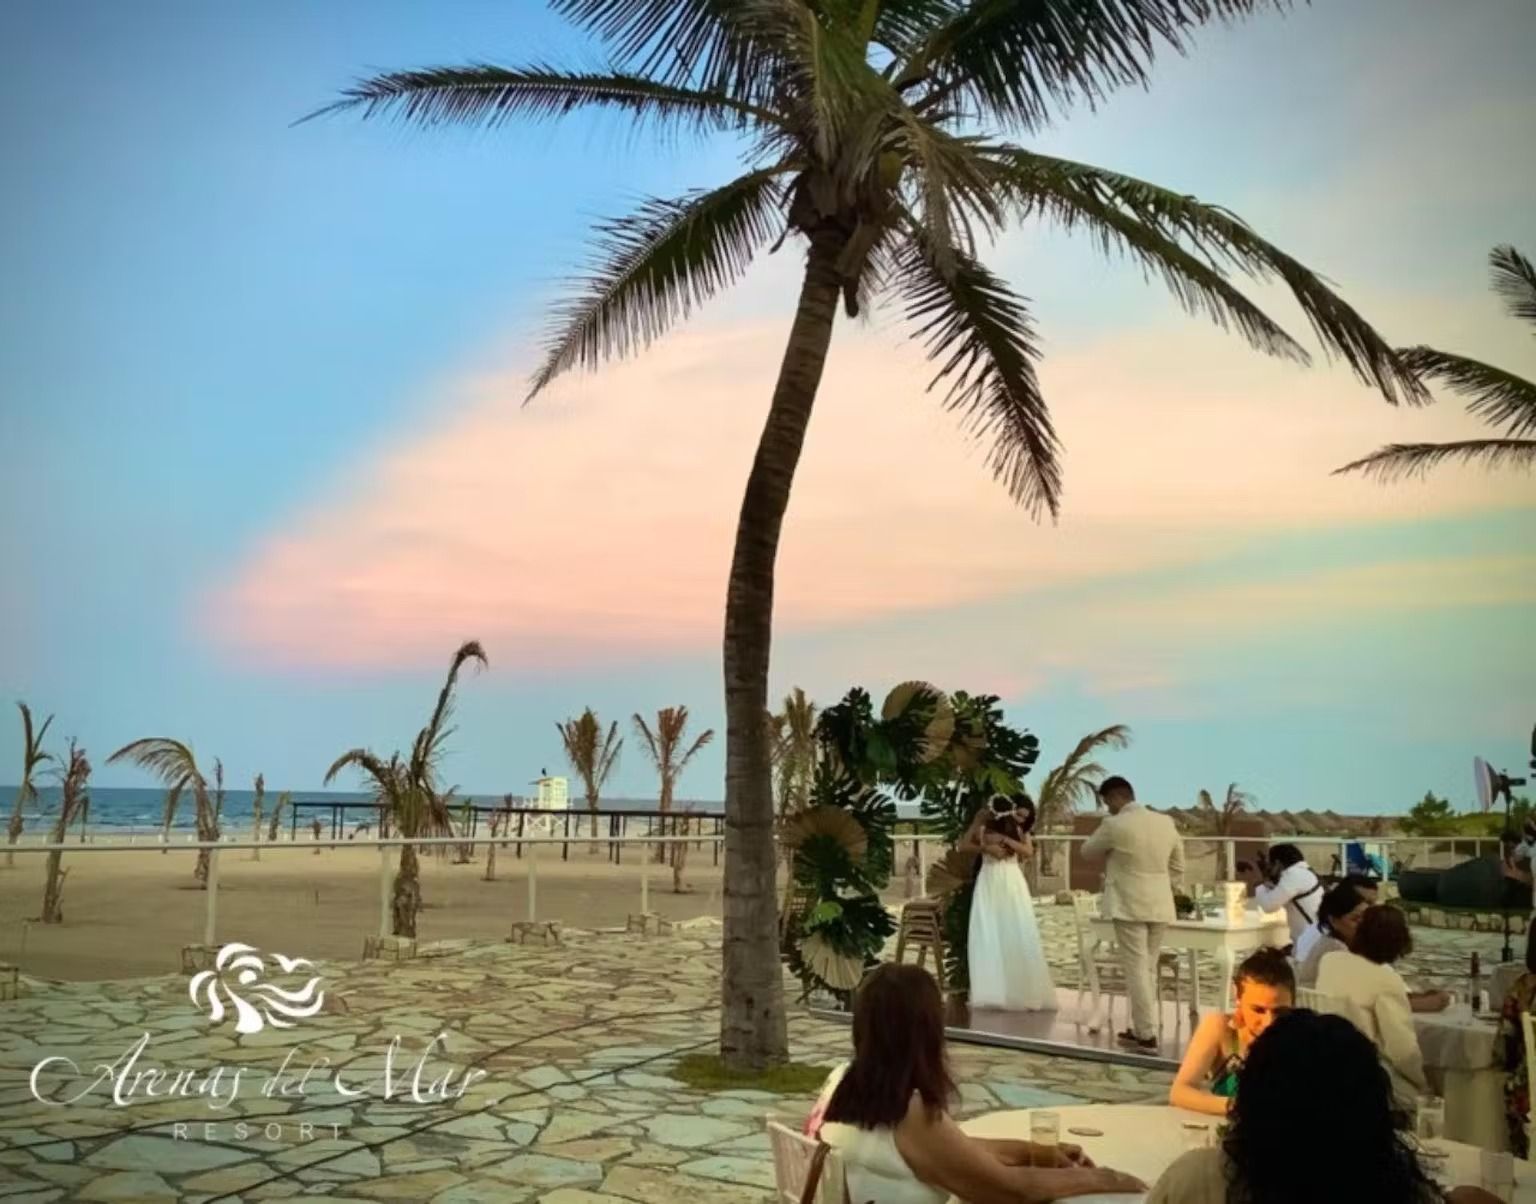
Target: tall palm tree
{"x":173,"y":763}
{"x":861,"y":126}
{"x":1498,"y":397}
{"x":591,"y":754}
{"x":407,"y":791}
{"x":32,"y":756}
{"x":1219,"y":822}
{"x":74,"y":772}
{"x":1072,"y":782}
{"x":664,"y":747}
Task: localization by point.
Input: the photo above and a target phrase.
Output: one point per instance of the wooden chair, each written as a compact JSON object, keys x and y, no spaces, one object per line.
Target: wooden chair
{"x":793,"y":1154}
{"x":797,"y":902}
{"x":922,"y":923}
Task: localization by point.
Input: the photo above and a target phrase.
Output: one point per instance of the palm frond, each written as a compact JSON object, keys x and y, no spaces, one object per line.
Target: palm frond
{"x":490,"y":95}
{"x":723,"y":45}
{"x":169,"y":760}
{"x":1514,"y":279}
{"x":655,"y":266}
{"x":705,"y":737}
{"x":1192,"y":244}
{"x":980,"y":330}
{"x":173,"y":801}
{"x":1396,"y":461}
{"x":652,"y":748}
{"x":430,"y":740}
{"x":32,"y":742}
{"x":1022,"y":63}
{"x":1499,"y":398}
{"x":384,"y":776}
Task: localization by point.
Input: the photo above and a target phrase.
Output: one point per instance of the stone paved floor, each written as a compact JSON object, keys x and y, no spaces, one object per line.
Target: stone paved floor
{"x":575,"y":1106}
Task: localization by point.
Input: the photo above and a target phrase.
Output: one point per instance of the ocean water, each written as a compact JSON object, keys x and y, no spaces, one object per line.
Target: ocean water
{"x":132,"y":808}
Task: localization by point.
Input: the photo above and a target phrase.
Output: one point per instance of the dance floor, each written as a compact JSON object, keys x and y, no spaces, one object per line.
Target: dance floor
{"x":1064,"y":1032}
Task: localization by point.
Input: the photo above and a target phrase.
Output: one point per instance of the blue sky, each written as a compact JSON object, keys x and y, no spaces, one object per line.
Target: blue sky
{"x":234,"y":352}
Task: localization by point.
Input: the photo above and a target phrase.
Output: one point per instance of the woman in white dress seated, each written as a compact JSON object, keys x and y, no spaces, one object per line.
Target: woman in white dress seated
{"x":1365,"y":989}
{"x":1338,"y":917}
{"x":1307,"y":1077}
{"x":886,"y":1113}
{"x":1007,"y":963}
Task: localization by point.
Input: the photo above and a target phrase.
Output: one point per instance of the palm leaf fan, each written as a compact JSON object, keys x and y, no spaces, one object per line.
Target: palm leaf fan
{"x":940,"y":727}
{"x":950,"y":873}
{"x":829,"y":823}
{"x":840,"y":971}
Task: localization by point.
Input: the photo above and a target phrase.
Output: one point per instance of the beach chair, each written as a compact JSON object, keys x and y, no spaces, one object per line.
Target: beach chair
{"x":794,"y":1157}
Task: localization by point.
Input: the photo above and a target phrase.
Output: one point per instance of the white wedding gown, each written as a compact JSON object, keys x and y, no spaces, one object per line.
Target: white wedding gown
{"x":1007,"y":956}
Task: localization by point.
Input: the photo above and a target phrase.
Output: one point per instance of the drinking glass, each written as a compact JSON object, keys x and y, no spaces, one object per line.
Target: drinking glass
{"x":1429,"y":1119}
{"x":1044,"y":1128}
{"x":1499,"y":1175}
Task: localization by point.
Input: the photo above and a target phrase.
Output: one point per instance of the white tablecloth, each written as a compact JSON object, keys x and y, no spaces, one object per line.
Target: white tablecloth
{"x":1143,"y":1141}
{"x":1458,"y":1049}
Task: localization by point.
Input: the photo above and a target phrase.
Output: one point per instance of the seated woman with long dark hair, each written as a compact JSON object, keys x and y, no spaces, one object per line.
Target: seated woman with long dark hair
{"x":888,"y":1115}
{"x":1309,"y":1076}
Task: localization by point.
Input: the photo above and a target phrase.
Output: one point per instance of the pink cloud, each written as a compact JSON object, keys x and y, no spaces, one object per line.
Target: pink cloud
{"x":597,"y":523}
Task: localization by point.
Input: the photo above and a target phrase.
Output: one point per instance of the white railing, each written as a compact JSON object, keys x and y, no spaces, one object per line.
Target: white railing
{"x":1415,"y":848}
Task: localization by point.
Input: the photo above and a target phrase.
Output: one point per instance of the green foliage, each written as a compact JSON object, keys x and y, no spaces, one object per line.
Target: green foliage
{"x":1430,"y":816}
{"x":707,"y":1072}
{"x":948,"y":753}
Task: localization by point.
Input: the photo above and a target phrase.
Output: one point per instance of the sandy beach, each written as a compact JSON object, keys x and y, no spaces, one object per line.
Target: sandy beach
{"x":128,"y":914}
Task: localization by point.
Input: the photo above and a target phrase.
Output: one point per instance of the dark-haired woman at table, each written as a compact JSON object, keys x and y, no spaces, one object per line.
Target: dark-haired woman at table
{"x":887,"y":1114}
{"x":1309,"y":1075}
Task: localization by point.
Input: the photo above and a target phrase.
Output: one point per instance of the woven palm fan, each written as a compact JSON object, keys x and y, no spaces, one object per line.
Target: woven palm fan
{"x":840,"y":971}
{"x":950,"y":873}
{"x":831,"y":822}
{"x":940,"y":728}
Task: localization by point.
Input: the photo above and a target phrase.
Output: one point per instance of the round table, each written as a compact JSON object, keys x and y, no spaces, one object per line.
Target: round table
{"x":1143,"y":1140}
{"x":1459,"y":1059}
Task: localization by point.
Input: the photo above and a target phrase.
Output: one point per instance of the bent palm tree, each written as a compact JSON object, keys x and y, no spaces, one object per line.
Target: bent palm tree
{"x":1073,"y":782}
{"x":1499,"y":398}
{"x":31,"y":757}
{"x":407,"y":792}
{"x":858,"y":120}
{"x":173,"y":763}
{"x":1221,"y":822}
{"x":591,"y":754}
{"x":663,"y":747}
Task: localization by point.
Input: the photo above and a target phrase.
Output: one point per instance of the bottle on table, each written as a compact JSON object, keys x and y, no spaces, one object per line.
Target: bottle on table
{"x":1475,"y":993}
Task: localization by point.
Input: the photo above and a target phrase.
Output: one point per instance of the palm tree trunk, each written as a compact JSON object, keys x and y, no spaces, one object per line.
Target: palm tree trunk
{"x":407,"y":897}
{"x":665,"y":807}
{"x":753,"y":1031}
{"x":13,"y":829}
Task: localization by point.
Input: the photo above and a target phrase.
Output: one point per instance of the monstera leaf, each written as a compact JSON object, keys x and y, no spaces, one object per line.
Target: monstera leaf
{"x":951,"y":872}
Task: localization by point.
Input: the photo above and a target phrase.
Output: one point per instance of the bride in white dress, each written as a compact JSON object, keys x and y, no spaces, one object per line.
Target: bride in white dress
{"x":1007,"y":956}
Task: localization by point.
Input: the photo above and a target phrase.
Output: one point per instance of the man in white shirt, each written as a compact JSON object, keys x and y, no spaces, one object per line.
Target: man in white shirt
{"x":1292,"y":886}
{"x":1144,"y":856}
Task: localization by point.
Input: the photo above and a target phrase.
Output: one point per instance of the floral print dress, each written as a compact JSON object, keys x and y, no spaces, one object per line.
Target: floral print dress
{"x":1509,"y":1052}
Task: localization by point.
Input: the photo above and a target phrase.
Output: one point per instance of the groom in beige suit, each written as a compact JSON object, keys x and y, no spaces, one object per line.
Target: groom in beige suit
{"x":1144,"y":858}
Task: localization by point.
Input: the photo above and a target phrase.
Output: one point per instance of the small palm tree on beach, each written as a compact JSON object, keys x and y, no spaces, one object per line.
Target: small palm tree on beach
{"x":407,"y":791}
{"x":1498,"y":397}
{"x":173,"y":763}
{"x":664,"y":746}
{"x":592,"y":755}
{"x":793,"y":735}
{"x":1219,"y":821}
{"x":879,"y":134}
{"x":257,"y":806}
{"x":75,"y":770}
{"x":32,"y":755}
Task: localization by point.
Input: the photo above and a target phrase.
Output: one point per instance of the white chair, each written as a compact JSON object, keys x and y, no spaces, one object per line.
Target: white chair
{"x":1098,"y":960}
{"x":793,"y":1155}
{"x":1528,"y":1025}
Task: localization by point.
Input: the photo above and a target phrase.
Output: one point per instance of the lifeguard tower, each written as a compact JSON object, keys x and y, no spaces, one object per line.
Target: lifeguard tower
{"x":551,"y":798}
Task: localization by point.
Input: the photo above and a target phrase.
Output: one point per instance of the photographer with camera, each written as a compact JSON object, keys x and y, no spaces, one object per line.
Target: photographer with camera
{"x":1287,"y":882}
